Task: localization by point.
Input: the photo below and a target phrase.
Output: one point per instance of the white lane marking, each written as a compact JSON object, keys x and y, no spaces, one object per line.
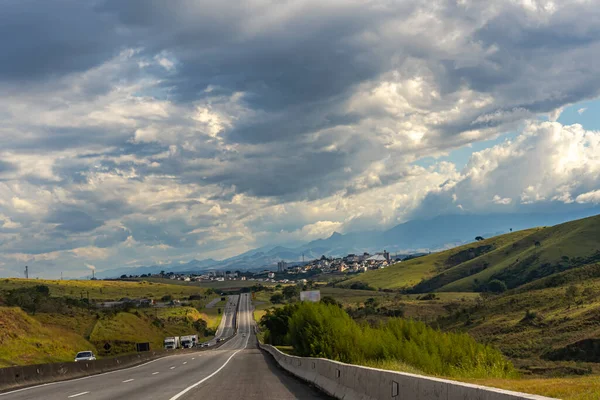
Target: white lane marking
{"x":172,"y":368}
{"x":128,"y":380}
{"x":184,"y":391}
{"x":185,"y":362}
{"x":155,"y":373}
{"x":78,"y":394}
{"x":86,"y":377}
{"x":193,"y":358}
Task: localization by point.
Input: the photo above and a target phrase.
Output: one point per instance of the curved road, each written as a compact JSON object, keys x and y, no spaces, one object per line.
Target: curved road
{"x":235,"y":370}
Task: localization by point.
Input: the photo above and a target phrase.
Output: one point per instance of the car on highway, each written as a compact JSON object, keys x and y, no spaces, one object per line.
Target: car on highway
{"x":243,"y":335}
{"x":85,"y":356}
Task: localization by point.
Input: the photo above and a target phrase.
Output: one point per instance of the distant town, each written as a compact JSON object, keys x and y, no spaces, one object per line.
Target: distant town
{"x":290,"y":272}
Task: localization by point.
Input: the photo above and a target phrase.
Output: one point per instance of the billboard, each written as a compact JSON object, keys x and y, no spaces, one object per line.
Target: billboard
{"x":311,"y":295}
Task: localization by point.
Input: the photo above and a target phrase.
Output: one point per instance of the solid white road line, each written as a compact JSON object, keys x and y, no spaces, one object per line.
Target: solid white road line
{"x":155,"y":373}
{"x":128,"y":380}
{"x":78,"y":394}
{"x":184,"y":391}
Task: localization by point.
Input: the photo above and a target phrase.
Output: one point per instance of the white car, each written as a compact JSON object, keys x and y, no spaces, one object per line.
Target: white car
{"x":85,"y":356}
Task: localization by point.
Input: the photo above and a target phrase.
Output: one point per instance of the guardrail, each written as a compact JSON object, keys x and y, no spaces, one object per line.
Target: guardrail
{"x":349,"y":382}
{"x":16,"y":377}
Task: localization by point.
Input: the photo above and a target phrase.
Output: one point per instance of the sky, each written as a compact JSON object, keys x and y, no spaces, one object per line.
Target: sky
{"x":139,"y":132}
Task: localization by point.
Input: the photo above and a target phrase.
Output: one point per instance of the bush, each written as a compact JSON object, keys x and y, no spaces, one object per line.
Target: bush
{"x":322,"y":330}
{"x":277,"y":298}
{"x":496,"y":286}
{"x":291,"y":292}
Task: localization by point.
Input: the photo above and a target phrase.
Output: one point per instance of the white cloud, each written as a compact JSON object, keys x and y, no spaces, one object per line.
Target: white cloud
{"x":499,"y":200}
{"x":581,"y":110}
{"x":589,"y":197}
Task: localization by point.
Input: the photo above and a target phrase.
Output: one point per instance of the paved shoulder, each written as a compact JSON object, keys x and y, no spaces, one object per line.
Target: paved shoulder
{"x":254,"y":375}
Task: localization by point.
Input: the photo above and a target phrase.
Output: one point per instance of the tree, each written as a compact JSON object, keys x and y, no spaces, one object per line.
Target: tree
{"x":276,"y":322}
{"x":497,"y":286}
{"x":330,"y":300}
{"x":277,"y":298}
{"x":479,"y":238}
{"x":289,"y":292}
{"x":200,"y":326}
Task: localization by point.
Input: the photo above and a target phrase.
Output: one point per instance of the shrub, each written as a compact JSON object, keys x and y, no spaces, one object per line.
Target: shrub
{"x":277,"y":298}
{"x":322,"y":330}
{"x":496,"y":286}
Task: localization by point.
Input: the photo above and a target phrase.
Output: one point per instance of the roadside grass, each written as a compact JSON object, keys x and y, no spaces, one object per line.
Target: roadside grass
{"x":352,"y":296}
{"x":574,"y":388}
{"x":212,"y":317}
{"x":77,"y":320}
{"x":104,"y":290}
{"x":208,"y":284}
{"x":25,"y":340}
{"x":124,"y":330}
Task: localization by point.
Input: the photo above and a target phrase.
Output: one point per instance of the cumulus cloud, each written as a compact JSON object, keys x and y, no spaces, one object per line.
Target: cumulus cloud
{"x":194,"y":129}
{"x":548,"y":165}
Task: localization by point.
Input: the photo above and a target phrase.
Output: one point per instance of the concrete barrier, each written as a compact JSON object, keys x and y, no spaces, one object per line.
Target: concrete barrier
{"x":352,"y":382}
{"x":16,"y":377}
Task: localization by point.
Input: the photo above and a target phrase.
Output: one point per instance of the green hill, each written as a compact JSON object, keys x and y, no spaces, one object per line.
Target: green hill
{"x":516,"y":259}
{"x":25,"y":340}
{"x":407,"y":274}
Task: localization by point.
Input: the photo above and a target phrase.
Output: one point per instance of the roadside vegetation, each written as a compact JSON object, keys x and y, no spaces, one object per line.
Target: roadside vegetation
{"x":326,"y":330}
{"x":40,"y":321}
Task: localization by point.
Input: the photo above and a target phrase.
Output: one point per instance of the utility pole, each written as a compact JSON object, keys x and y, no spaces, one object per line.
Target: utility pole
{"x":61,"y":275}
{"x":26,"y":272}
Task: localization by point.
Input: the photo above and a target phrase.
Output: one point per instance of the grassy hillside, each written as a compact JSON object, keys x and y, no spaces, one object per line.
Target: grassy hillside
{"x":407,"y":274}
{"x":25,"y":340}
{"x":105,"y":290}
{"x":516,"y":259}
{"x":543,"y":253}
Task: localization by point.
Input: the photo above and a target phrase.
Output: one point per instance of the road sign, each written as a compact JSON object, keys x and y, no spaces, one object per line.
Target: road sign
{"x":311,"y":295}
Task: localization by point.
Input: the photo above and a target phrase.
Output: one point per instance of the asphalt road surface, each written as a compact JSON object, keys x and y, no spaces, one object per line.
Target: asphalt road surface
{"x":236,"y":370}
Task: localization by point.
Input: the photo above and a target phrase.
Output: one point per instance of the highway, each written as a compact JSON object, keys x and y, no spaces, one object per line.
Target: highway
{"x":235,"y":370}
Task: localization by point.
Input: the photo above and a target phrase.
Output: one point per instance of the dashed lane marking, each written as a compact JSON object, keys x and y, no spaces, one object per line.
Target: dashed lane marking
{"x":78,"y":394}
{"x":128,"y":380}
{"x":172,"y":368}
{"x":155,"y":373}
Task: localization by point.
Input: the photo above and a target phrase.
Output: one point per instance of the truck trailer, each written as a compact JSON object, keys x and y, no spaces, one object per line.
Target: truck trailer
{"x":172,"y":342}
{"x":189,"y":341}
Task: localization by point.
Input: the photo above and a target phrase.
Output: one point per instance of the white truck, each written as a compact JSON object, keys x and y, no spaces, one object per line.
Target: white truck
{"x":172,"y":342}
{"x":187,"y":342}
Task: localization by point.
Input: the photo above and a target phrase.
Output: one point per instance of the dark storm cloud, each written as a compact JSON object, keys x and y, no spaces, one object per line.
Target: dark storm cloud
{"x":111,"y":237}
{"x":6,"y":166}
{"x":43,"y":39}
{"x":73,"y":221}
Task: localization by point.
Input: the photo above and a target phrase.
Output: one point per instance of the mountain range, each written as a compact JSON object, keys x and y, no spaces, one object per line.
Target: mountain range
{"x":407,"y":238}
